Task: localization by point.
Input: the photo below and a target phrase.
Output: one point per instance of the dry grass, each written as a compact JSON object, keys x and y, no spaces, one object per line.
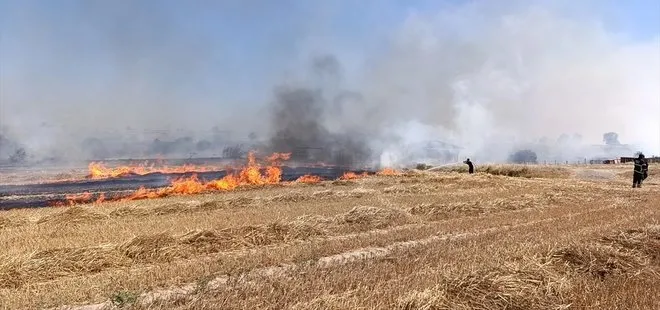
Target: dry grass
{"x":505,"y":238}
{"x":524,"y":171}
{"x":629,"y":252}
{"x":71,"y":216}
{"x":507,"y":287}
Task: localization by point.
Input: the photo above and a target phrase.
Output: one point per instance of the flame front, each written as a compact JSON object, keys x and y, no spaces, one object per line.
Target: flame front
{"x":388,"y":172}
{"x":79,"y":198}
{"x":251,"y":174}
{"x":100,"y":171}
{"x":309,"y":179}
{"x":228,"y":183}
{"x":186,"y":186}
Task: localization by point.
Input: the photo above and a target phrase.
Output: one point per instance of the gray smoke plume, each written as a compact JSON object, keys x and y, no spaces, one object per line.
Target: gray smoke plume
{"x":491,"y":77}
{"x":302,"y":120}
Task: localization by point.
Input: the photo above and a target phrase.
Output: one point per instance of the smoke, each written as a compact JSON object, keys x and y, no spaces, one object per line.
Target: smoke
{"x":309,"y":121}
{"x":489,"y":77}
{"x":115,"y":71}
{"x":496,"y":77}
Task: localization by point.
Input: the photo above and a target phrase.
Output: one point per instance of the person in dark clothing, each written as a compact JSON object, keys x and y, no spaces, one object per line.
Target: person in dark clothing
{"x":470,"y":166}
{"x":641,"y":171}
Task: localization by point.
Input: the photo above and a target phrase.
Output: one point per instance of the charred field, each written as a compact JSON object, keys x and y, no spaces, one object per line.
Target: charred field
{"x":121,"y":179}
{"x":507,"y":237}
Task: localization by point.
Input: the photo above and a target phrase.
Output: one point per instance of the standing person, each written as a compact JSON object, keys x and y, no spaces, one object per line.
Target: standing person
{"x":470,"y":166}
{"x":641,"y":171}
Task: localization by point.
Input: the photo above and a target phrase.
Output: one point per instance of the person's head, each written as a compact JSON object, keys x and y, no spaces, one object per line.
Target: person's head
{"x":641,"y":156}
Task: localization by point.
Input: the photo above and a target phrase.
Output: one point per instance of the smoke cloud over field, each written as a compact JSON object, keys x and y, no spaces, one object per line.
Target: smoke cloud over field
{"x":490,"y":77}
{"x":495,"y":76}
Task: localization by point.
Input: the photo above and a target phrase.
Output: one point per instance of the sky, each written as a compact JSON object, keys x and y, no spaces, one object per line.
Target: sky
{"x":198,"y":63}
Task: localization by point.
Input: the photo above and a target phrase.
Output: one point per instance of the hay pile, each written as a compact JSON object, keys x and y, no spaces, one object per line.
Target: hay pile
{"x":156,"y":248}
{"x":130,"y":211}
{"x":646,"y":241}
{"x":55,"y":263}
{"x":240,"y":202}
{"x":372,"y":217}
{"x":630,"y":252}
{"x":211,"y":205}
{"x":177,"y":208}
{"x":151,"y":248}
{"x":526,"y":287}
{"x":599,"y":260}
{"x":358,"y":192}
{"x":443,"y":211}
{"x":290,"y":197}
{"x":174,"y":208}
{"x":410,"y":189}
{"x":343,"y":182}
{"x":6,"y":222}
{"x":72,"y":216}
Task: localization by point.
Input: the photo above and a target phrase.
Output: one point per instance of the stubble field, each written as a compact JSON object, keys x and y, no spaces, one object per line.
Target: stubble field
{"x":507,"y":237}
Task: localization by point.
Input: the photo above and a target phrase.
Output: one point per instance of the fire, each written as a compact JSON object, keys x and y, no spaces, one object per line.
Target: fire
{"x":182,"y":186}
{"x":228,"y":183}
{"x":274,"y":172}
{"x":143,"y":193}
{"x":388,"y":172}
{"x":350,"y":176}
{"x":101,"y":198}
{"x":251,"y":174}
{"x":100,"y":171}
{"x":74,"y":199}
{"x":186,"y":186}
{"x":79,"y":198}
{"x":277,"y":157}
{"x":309,"y":179}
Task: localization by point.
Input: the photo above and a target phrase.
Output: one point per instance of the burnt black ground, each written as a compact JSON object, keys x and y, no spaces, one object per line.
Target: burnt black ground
{"x":47,"y":194}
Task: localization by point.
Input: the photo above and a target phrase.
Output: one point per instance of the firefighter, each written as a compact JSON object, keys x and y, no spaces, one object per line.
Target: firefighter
{"x":470,"y":166}
{"x":641,"y":171}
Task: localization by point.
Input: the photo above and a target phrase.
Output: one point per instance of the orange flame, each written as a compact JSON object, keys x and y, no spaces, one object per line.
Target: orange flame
{"x":251,"y":173}
{"x":79,"y":198}
{"x":186,"y":186}
{"x":276,"y":157}
{"x":228,"y":183}
{"x":143,"y":193}
{"x":100,"y":171}
{"x":248,"y":175}
{"x":309,"y":179}
{"x":350,"y":176}
{"x":388,"y":172}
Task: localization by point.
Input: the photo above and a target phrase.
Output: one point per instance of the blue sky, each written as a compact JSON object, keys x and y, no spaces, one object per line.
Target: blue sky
{"x":235,"y":40}
{"x":231,"y":47}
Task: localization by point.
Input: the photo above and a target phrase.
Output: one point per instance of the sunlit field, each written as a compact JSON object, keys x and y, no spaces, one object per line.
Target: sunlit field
{"x":507,"y":237}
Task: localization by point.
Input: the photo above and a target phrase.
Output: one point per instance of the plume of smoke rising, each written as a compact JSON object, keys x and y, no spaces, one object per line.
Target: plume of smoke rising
{"x":497,"y":79}
{"x":310,"y":121}
{"x":491,"y":77}
{"x":494,"y":79}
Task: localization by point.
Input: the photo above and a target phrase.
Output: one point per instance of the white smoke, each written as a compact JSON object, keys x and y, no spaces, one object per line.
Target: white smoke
{"x":489,"y":76}
{"x":495,"y":79}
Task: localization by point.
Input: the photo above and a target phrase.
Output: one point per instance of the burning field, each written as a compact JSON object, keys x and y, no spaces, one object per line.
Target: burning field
{"x":267,"y":236}
{"x":148,"y":181}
